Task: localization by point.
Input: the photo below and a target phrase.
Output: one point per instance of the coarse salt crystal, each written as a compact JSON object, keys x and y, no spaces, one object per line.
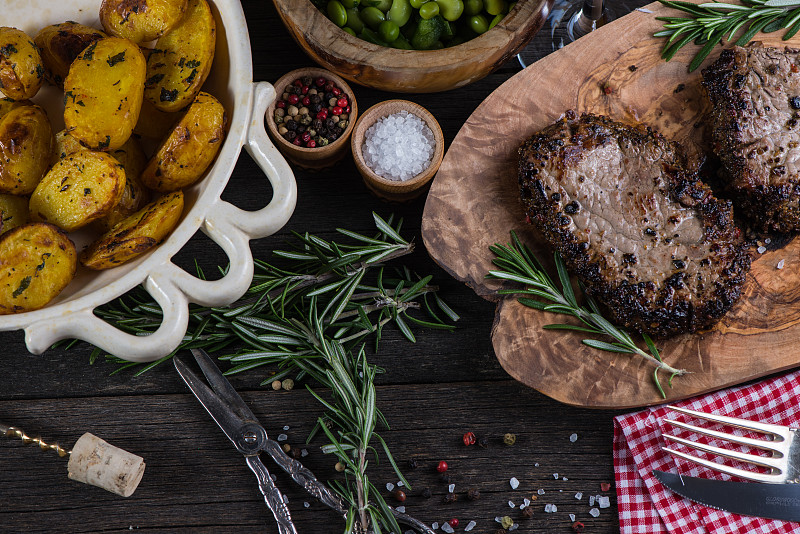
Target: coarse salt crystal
{"x":515,"y":526}
{"x":555,"y":476}
{"x":447,"y":528}
{"x":400,"y":484}
{"x":768,"y":241}
{"x":511,"y":504}
{"x":591,"y":500}
{"x":389,"y":486}
{"x":435,"y":525}
{"x":526,"y":502}
{"x":286,"y":427}
{"x":536,"y":464}
{"x":451,"y":488}
{"x":572,"y":517}
{"x":761,"y":250}
{"x":603,"y":502}
{"x":304,"y":453}
{"x":283,"y":437}
{"x":781,"y":264}
{"x":579,"y":495}
{"x":470,"y":526}
{"x":399,"y":146}
{"x":540,"y":492}
{"x":401,"y":509}
{"x":306,"y":504}
{"x":564,"y":478}
{"x":514,"y":483}
{"x":594,"y":512}
{"x":573,"y":438}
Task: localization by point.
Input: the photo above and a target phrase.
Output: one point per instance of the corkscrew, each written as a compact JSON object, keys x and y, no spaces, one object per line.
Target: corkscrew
{"x":92,"y":461}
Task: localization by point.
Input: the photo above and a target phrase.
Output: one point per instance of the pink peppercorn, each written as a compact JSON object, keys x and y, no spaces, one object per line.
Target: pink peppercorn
{"x":323,"y":114}
{"x":337,"y":110}
{"x":342,"y":102}
{"x":280,"y":104}
{"x":293,"y":99}
{"x":306,"y":101}
{"x":453,"y":522}
{"x":347,"y":109}
{"x":320,"y":81}
{"x":297,"y":141}
{"x":311,"y":144}
{"x":298,"y":83}
{"x":304,"y":89}
{"x":306,"y":137}
{"x":336,"y":91}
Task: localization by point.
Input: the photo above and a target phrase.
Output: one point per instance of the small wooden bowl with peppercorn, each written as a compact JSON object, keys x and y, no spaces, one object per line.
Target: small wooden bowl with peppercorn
{"x":407,"y":119}
{"x":312,"y":117}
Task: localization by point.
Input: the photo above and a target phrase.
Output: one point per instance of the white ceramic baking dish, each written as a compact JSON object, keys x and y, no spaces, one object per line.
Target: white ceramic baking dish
{"x":231,"y":81}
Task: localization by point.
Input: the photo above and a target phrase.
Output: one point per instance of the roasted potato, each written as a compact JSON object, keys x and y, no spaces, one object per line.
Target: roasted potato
{"x":65,"y":145}
{"x":181,"y":60}
{"x":37,"y":261}
{"x":60,"y":44}
{"x":186,"y":153}
{"x":26,"y":145}
{"x":132,"y":158}
{"x":136,"y":234}
{"x":7,"y":104}
{"x":141,"y":21}
{"x":21,"y":67}
{"x":14,"y":212}
{"x":79,"y":189}
{"x":103,"y":93}
{"x":154,"y":123}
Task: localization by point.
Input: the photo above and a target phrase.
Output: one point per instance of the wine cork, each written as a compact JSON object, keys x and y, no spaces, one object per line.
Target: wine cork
{"x":95,"y":462}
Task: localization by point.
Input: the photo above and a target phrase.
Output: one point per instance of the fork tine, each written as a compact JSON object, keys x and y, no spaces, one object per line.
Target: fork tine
{"x":735,"y":471}
{"x":757,"y":443}
{"x":763,"y":461}
{"x":764,"y":428}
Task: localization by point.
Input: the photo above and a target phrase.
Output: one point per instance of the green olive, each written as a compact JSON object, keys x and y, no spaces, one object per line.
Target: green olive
{"x":389,"y":30}
{"x":400,"y":12}
{"x":450,"y":9}
{"x":428,"y":10}
{"x":383,"y":5}
{"x":416,"y":4}
{"x":495,"y":7}
{"x":497,"y":18}
{"x":473,"y":7}
{"x":349,"y":30}
{"x":337,"y":13}
{"x":350,"y":3}
{"x":354,"y":20}
{"x":479,"y":24}
{"x":372,"y":17}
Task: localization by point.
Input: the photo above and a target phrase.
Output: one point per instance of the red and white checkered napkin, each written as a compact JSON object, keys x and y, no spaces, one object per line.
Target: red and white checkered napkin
{"x":645,"y":506}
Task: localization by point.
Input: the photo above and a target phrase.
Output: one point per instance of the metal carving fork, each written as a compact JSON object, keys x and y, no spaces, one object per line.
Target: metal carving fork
{"x":780,"y":441}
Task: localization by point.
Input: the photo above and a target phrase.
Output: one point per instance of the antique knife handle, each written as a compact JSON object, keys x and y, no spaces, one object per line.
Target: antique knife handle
{"x":304,"y":477}
{"x":272,"y":495}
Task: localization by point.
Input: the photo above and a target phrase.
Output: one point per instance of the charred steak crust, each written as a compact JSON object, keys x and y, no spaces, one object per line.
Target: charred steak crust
{"x":755,"y":128}
{"x":632,"y":220}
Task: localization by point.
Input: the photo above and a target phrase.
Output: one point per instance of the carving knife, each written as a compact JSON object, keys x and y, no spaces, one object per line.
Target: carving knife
{"x":772,"y":501}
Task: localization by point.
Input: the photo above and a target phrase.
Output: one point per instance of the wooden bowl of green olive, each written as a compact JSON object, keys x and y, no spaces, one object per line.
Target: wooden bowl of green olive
{"x":412,"y":46}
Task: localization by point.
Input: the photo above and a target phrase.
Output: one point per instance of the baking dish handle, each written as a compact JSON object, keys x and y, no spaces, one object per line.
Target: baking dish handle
{"x":172,"y":287}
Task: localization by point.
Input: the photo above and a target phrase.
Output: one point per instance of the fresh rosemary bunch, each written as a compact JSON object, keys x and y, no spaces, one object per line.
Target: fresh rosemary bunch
{"x":518,"y":264}
{"x":710,"y":23}
{"x":311,"y":318}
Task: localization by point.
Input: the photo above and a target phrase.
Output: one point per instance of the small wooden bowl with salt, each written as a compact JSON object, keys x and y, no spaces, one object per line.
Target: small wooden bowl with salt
{"x":403,"y":112}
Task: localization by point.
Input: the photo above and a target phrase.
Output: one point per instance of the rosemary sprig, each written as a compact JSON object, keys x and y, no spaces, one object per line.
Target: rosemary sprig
{"x":517,"y":263}
{"x":310,"y":318}
{"x":711,"y":23}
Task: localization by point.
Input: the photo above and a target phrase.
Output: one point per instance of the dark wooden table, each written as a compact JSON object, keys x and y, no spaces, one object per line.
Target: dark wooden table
{"x":433,"y":392}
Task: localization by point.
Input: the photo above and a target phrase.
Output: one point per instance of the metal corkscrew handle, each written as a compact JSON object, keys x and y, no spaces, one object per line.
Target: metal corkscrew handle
{"x":14,"y":432}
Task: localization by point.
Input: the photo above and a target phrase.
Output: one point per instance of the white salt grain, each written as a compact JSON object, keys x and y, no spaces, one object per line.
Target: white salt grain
{"x":573,"y":438}
{"x":447,"y":528}
{"x":306,"y":504}
{"x":603,"y":502}
{"x":514,"y":483}
{"x":389,"y":486}
{"x":398,"y":147}
{"x":591,"y":500}
{"x":451,"y":488}
{"x":781,"y":264}
{"x":286,"y":427}
{"x":525,"y":503}
{"x":515,"y":526}
{"x":768,"y":241}
{"x":401,"y":509}
{"x":555,"y":476}
{"x":283,"y":437}
{"x":761,"y":250}
{"x":540,"y":492}
{"x":594,"y":512}
{"x":400,"y":484}
{"x":435,"y":525}
{"x":470,"y":526}
{"x":564,"y":479}
{"x":572,"y":517}
{"x":536,"y":464}
{"x":511,"y":504}
{"x":579,"y":495}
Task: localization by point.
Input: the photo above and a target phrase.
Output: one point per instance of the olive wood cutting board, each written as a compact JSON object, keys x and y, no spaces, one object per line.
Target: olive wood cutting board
{"x":473,"y":203}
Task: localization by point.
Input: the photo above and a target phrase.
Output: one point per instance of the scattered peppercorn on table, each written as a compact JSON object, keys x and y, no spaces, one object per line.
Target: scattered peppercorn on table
{"x":474,"y":444}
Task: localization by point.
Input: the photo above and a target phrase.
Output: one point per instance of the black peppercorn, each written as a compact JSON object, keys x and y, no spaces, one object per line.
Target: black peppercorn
{"x":317,"y":124}
{"x":291,"y":89}
{"x":307,"y":80}
{"x":444,"y":477}
{"x":295,"y":453}
{"x":412,"y":463}
{"x":527,"y":512}
{"x":290,"y":135}
{"x":473,"y":494}
{"x":500,"y":531}
{"x":450,"y":498}
{"x":290,"y":125}
{"x":426,"y":493}
{"x":483,"y":441}
{"x":316,"y":108}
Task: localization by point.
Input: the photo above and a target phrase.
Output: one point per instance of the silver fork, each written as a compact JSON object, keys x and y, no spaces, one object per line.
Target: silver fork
{"x":784,"y":464}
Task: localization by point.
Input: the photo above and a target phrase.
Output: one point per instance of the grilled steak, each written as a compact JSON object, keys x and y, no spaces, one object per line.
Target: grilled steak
{"x":755,"y":119}
{"x":632,"y":220}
